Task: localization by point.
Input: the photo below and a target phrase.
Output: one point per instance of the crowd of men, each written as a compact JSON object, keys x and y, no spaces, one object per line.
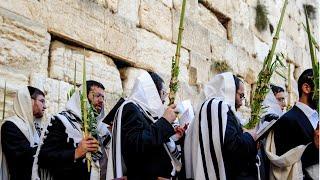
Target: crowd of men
{"x":142,"y":139}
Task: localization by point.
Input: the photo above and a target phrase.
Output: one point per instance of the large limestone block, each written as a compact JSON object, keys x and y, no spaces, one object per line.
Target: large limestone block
{"x":129,"y":10}
{"x":195,"y":37}
{"x":155,"y":54}
{"x":218,"y":46}
{"x":246,"y":66}
{"x":261,"y":49}
{"x":209,"y":20}
{"x":239,"y":12}
{"x":24,"y":44}
{"x":156,"y":17}
{"x":201,"y":66}
{"x":191,"y":7}
{"x":99,"y":67}
{"x":29,"y":9}
{"x":243,"y":37}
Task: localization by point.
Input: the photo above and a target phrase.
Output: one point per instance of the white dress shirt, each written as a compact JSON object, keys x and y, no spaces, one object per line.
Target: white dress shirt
{"x":310,"y":113}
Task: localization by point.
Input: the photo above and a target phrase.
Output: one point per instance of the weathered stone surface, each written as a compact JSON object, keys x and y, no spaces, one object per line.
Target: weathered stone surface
{"x":218,"y":47}
{"x":243,"y":37}
{"x":248,"y":68}
{"x":111,"y":4}
{"x":129,"y":10}
{"x":99,"y":67}
{"x":168,"y":3}
{"x":156,"y":17}
{"x":28,"y":9}
{"x":155,"y":54}
{"x":239,"y":12}
{"x":202,"y":66}
{"x":24,"y":44}
{"x":217,"y":5}
{"x":261,"y":49}
{"x":209,"y":20}
{"x":191,"y":7}
{"x":195,"y":37}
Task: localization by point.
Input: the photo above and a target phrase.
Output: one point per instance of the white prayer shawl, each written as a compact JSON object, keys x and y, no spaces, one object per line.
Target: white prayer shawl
{"x":24,"y":120}
{"x":204,"y":140}
{"x":73,"y":107}
{"x":271,"y":105}
{"x":287,"y":166}
{"x":144,"y":95}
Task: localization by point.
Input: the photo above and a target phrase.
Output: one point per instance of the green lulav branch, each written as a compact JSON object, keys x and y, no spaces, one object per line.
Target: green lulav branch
{"x":314,"y":60}
{"x":269,"y":67}
{"x":174,"y":83}
{"x":84,"y":110}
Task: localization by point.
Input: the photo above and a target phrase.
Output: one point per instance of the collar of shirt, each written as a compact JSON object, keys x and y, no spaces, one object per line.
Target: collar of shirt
{"x":310,"y":113}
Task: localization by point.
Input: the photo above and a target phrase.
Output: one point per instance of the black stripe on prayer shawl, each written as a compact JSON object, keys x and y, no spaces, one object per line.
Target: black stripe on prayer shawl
{"x":114,"y":149}
{"x":201,"y":146}
{"x":212,"y":151}
{"x":220,"y":123}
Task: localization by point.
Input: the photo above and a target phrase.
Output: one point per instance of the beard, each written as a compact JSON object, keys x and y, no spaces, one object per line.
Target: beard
{"x":313,"y":103}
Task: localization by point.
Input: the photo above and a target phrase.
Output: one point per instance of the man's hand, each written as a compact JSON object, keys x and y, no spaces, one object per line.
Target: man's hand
{"x":270,"y":117}
{"x":180,"y":130}
{"x":252,"y":132}
{"x":88,"y":144}
{"x":170,"y":114}
{"x":316,"y":137}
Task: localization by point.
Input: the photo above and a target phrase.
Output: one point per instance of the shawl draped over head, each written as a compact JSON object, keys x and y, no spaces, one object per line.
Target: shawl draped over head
{"x":24,"y":120}
{"x":204,"y":140}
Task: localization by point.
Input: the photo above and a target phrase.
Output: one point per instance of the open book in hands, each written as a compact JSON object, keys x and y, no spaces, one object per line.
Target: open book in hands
{"x":186,"y":113}
{"x":265,"y":125}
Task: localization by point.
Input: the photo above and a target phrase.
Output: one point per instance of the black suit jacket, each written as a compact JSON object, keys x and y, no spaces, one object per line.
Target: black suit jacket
{"x":294,"y":129}
{"x":17,"y":150}
{"x":57,"y":155}
{"x":142,"y":145}
{"x":239,"y":151}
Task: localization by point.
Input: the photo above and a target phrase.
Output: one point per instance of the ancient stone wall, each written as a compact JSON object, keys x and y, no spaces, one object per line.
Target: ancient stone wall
{"x":42,"y":40}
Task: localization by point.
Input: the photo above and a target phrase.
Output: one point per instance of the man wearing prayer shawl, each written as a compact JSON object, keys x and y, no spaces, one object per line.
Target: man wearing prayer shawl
{"x":273,"y":106}
{"x":216,"y":146}
{"x":63,"y":147}
{"x":293,"y":146}
{"x":20,"y":134}
{"x":142,"y":147}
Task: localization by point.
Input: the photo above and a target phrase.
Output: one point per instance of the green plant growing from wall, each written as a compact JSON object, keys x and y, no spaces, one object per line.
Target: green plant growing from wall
{"x":261,"y":17}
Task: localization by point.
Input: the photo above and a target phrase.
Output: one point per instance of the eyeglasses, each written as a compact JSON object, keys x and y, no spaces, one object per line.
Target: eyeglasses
{"x":281,"y":99}
{"x":242,"y":97}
